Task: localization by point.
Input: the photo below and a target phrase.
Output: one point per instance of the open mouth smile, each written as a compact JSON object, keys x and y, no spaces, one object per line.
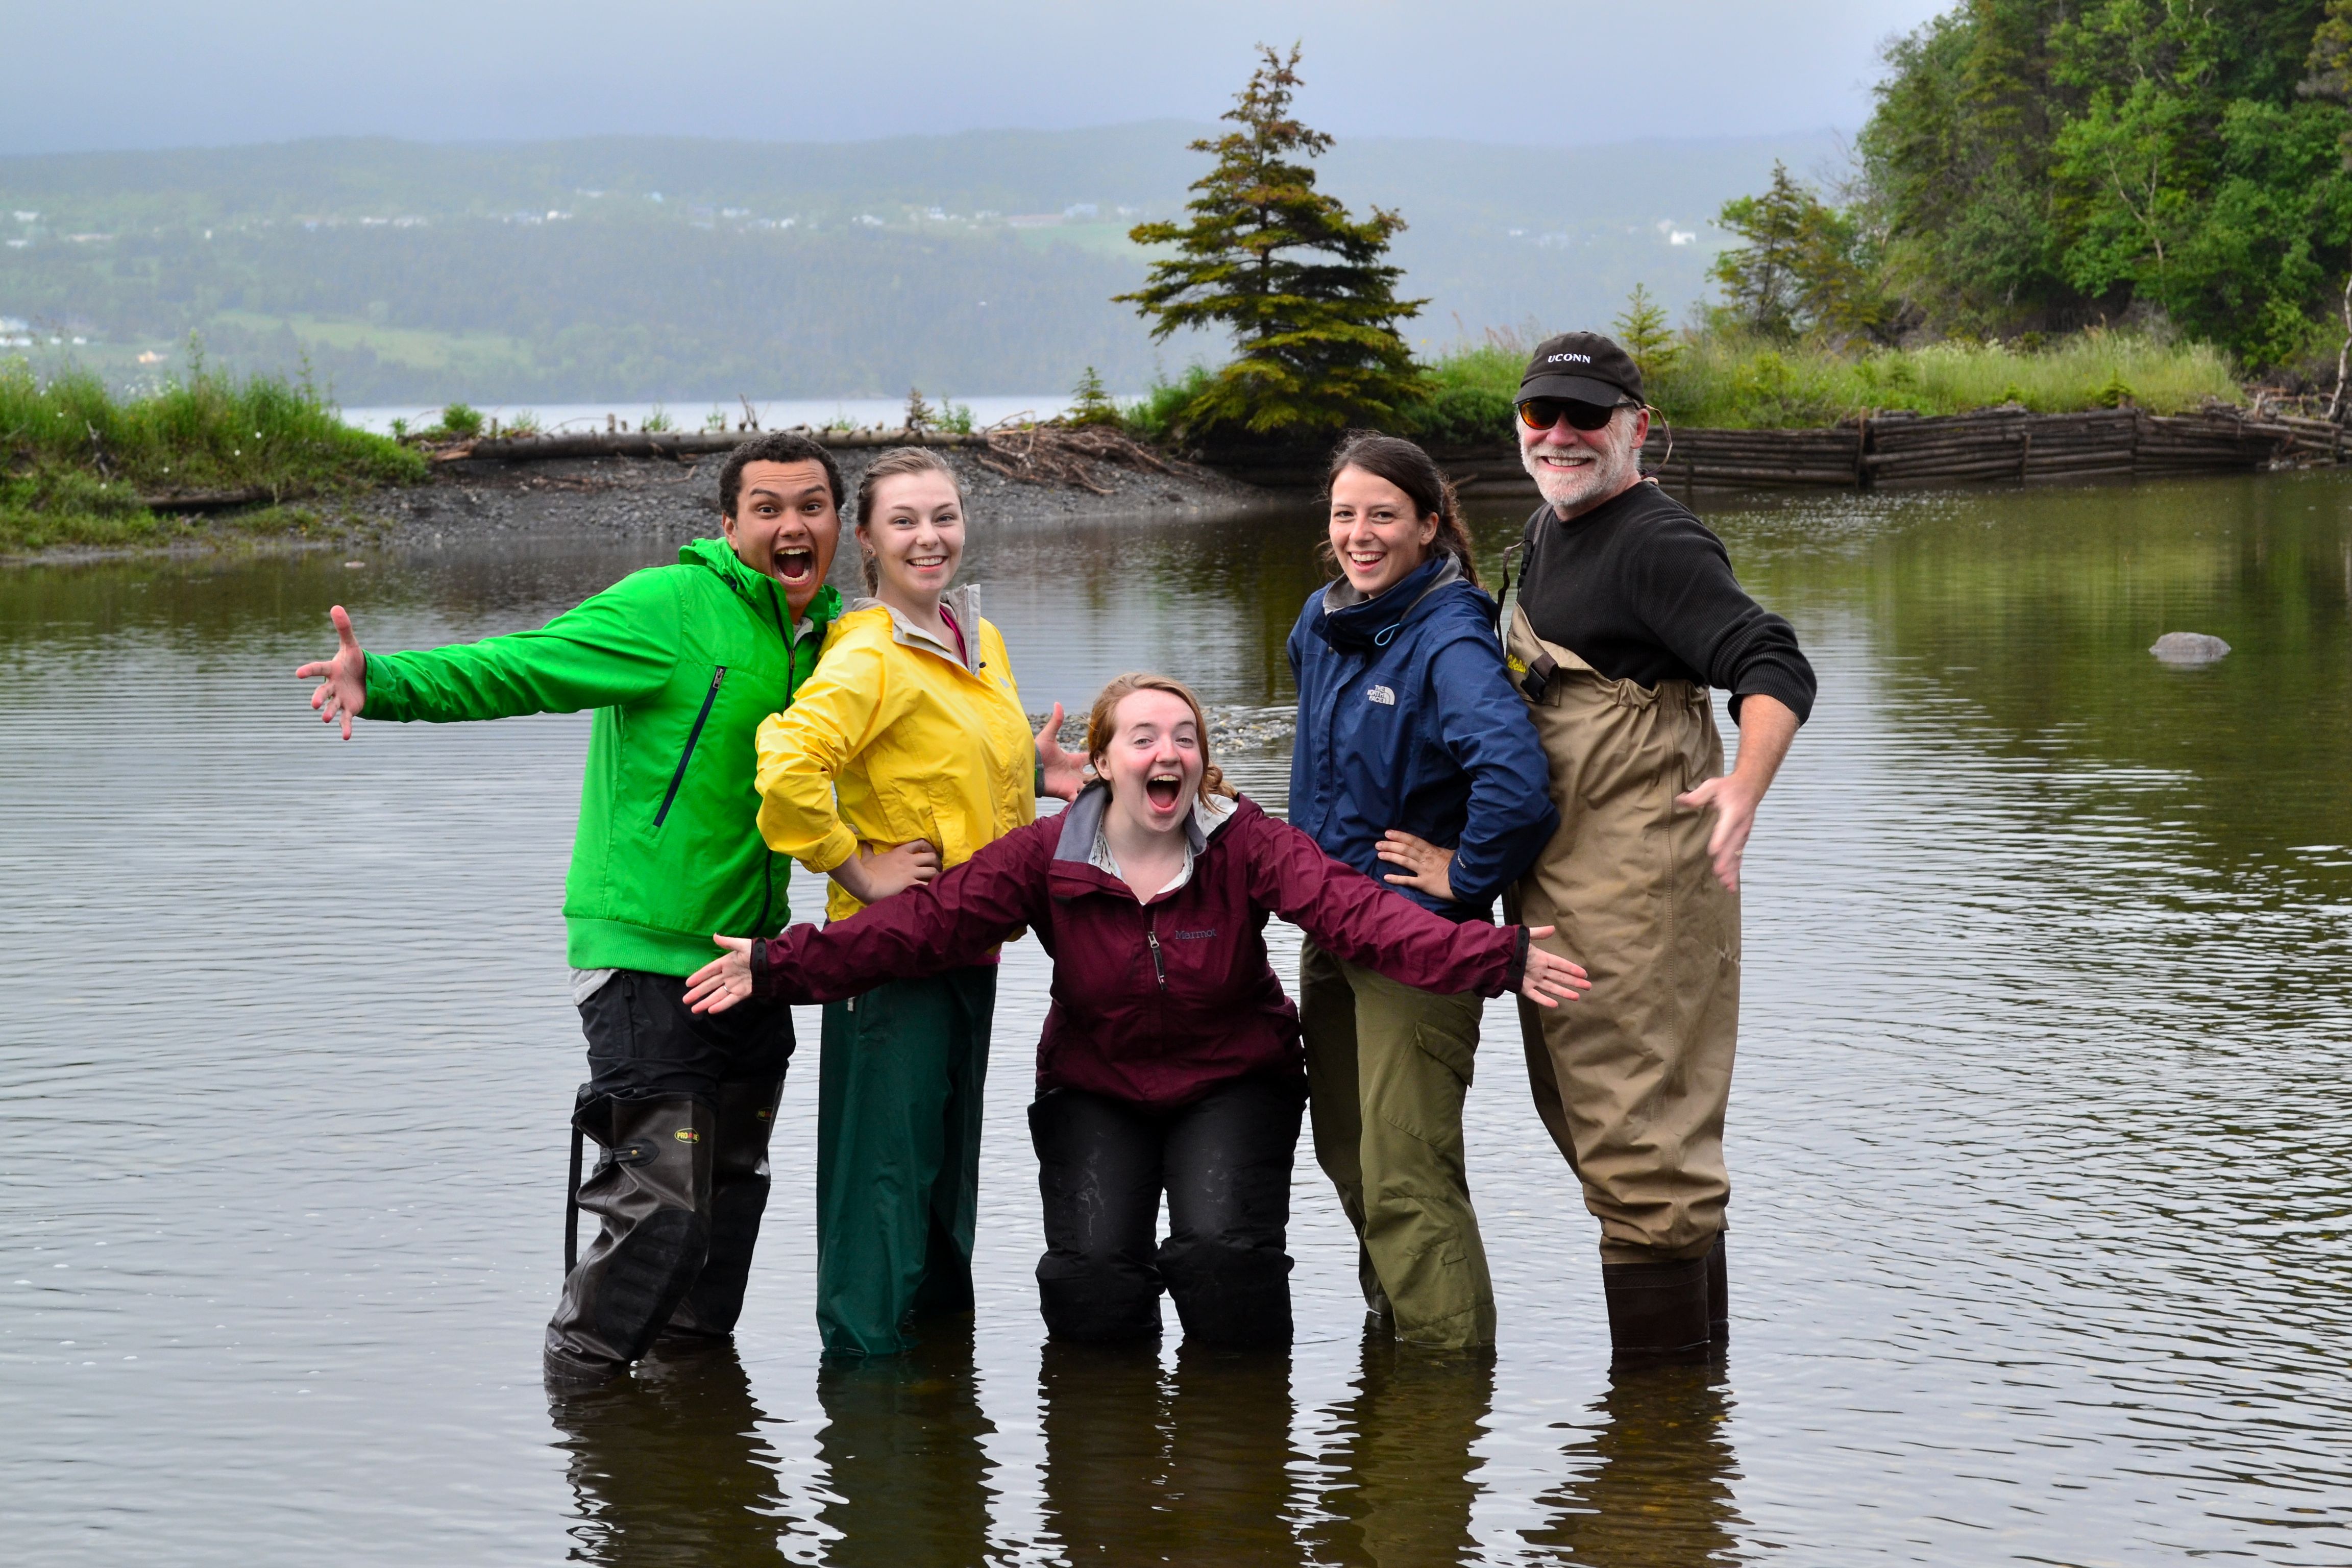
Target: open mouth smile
{"x":795,"y":566}
{"x":1164,"y":790}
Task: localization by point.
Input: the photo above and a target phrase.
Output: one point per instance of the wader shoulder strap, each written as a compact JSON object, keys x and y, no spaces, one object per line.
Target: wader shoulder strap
{"x":1538,"y":669}
{"x":1507,"y":599}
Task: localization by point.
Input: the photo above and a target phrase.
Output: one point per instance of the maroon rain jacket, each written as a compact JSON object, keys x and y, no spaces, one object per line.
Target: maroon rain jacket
{"x":1156,"y":1001}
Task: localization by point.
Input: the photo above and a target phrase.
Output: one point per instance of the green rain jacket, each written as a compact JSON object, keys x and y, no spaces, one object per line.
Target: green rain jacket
{"x":681,"y":664}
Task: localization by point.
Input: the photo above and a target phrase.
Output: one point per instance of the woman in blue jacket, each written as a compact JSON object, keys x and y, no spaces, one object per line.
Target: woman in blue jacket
{"x":1416,"y":763}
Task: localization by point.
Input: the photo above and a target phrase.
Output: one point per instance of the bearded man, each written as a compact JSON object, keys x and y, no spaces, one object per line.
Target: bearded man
{"x":1627,"y":612}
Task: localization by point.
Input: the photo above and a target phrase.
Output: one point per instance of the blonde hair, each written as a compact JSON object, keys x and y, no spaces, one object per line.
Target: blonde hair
{"x":1102,"y":724}
{"x":891,"y":465}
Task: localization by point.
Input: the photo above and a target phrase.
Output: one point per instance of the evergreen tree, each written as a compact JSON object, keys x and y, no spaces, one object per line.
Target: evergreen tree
{"x":1642,"y":333}
{"x":1803,"y":267}
{"x":1090,"y":402}
{"x":1305,"y":288}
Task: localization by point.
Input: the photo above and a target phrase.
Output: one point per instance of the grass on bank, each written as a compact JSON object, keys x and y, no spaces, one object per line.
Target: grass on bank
{"x":1727,"y":381}
{"x":75,"y":460}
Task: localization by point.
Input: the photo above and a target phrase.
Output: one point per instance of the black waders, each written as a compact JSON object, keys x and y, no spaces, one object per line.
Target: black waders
{"x":652,"y":1189}
{"x":1659,"y":1313}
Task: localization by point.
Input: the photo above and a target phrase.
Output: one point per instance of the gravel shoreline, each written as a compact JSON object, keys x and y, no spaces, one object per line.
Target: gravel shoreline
{"x":629,"y":498}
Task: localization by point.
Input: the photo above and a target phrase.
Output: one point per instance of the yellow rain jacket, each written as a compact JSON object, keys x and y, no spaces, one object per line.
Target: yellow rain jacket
{"x":895,"y":739}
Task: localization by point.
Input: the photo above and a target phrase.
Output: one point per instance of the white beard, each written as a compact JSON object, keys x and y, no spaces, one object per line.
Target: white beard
{"x":1572,"y":491}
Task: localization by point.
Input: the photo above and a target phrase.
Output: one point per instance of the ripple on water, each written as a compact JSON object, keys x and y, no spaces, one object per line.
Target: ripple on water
{"x":2041,"y":1140}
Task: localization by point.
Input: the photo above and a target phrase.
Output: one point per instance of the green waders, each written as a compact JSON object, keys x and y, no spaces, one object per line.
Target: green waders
{"x":1387,"y":1069}
{"x":898,"y":1163}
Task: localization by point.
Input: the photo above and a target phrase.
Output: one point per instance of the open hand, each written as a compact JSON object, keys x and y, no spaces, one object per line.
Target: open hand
{"x":1549,"y":979}
{"x":874,"y":875}
{"x":724,"y":981}
{"x":1734,"y":801}
{"x":1065,"y":771}
{"x":1426,"y":867}
{"x":342,"y":680}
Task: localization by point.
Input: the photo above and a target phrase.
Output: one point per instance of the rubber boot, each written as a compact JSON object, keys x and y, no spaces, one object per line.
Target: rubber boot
{"x":1658,"y":1312}
{"x":652,"y":1189}
{"x":1233,"y":1298}
{"x":1718,"y":1297}
{"x":739,"y":1196}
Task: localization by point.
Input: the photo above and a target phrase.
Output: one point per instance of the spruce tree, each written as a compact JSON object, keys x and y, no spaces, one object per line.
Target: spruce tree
{"x":1305,"y":287}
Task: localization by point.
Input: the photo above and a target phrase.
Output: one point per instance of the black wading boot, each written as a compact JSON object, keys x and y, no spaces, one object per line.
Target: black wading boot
{"x":652,"y":1189}
{"x":739,"y":1196}
{"x":1718,"y":1297}
{"x":1658,"y":1312}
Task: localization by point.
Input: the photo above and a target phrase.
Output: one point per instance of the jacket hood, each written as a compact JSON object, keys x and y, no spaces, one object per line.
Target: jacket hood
{"x":718,"y":556}
{"x":1352,"y":622}
{"x":962,"y":603}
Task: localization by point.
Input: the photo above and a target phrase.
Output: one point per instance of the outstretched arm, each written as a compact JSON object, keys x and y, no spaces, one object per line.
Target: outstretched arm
{"x":942,"y":924}
{"x":615,"y":649}
{"x":1767,"y":726}
{"x":1352,"y":917}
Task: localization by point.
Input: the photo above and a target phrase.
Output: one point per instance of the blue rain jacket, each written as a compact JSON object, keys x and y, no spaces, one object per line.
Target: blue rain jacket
{"x":1408,"y":718}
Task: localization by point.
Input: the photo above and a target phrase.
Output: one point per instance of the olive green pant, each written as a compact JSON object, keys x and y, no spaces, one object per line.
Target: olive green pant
{"x":1387,"y":1069}
{"x":898,"y":1155}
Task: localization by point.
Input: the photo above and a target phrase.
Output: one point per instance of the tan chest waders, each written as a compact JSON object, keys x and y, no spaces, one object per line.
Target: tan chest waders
{"x":1633,"y":1080}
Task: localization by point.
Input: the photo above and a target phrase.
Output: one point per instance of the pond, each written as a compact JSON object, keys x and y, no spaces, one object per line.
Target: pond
{"x":2040,"y":1142}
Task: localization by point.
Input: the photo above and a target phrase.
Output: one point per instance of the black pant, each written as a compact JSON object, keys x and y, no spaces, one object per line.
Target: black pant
{"x":680,"y":1107}
{"x":1224,"y":1162}
{"x":643,"y":1043}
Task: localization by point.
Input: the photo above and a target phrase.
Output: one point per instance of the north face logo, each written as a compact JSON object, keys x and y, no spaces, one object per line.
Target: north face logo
{"x":1382,"y":695}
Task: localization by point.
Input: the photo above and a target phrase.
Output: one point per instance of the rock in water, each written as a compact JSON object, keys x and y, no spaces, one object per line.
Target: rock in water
{"x":2188,"y":648}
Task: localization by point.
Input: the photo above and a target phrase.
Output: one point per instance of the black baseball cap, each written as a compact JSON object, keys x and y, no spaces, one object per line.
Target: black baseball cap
{"x":1584,"y":366}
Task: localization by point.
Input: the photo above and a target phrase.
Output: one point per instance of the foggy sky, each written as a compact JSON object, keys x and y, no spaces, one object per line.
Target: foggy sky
{"x":91,"y":74}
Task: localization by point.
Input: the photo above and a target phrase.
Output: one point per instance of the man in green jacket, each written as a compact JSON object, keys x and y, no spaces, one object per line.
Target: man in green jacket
{"x":681,"y":663}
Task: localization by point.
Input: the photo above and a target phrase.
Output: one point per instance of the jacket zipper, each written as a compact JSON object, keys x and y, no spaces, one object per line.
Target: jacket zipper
{"x":692,"y":736}
{"x":1152,"y":935}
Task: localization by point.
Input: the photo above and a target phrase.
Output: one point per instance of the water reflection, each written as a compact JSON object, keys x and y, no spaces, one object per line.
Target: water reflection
{"x":1144,"y":1465}
{"x":903,"y":1468}
{"x":2042,"y":1139}
{"x":1650,"y":1484}
{"x":1399,"y":1490}
{"x":668,"y":1466}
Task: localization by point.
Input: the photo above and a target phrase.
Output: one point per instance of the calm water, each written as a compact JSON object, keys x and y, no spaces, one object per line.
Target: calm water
{"x":2040,"y":1140}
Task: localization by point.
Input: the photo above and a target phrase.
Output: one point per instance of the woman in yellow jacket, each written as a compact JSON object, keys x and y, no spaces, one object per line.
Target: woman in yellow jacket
{"x":906,"y":752}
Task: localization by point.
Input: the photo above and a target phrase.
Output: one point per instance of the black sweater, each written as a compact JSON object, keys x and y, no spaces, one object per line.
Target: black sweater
{"x":1640,"y":590}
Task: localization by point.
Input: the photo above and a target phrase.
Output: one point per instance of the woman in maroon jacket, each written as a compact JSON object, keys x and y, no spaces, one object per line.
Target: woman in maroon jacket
{"x":1171,"y":1057}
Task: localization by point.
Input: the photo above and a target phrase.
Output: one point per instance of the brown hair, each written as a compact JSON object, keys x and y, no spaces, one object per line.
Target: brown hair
{"x":1404,"y":464}
{"x":1102,"y":723}
{"x":890,"y":465}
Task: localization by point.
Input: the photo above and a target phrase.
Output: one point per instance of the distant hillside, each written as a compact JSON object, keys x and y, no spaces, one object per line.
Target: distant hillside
{"x":686,"y":269}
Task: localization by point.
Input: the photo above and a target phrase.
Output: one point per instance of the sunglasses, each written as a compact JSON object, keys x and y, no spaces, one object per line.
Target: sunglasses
{"x":1543,"y":413}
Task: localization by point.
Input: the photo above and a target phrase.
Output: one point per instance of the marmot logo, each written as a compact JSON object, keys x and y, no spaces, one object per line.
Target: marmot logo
{"x":1191,"y":935}
{"x":1581,"y":359}
{"x":1382,"y":695}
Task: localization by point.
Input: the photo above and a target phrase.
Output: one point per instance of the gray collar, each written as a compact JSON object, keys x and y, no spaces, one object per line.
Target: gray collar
{"x":962,"y":603}
{"x":1343,"y":594}
{"x":1082,"y":838}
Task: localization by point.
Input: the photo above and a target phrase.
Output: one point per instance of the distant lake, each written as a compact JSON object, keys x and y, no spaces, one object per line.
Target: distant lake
{"x":2041,"y":1143}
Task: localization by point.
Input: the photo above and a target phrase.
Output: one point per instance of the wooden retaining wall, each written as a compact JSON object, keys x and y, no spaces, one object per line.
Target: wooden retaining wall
{"x":1989,"y":446}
